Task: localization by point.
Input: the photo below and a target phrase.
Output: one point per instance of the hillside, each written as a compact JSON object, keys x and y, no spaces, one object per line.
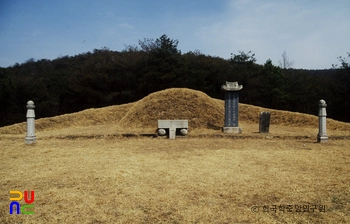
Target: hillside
{"x":105,"y":78}
{"x":201,"y":110}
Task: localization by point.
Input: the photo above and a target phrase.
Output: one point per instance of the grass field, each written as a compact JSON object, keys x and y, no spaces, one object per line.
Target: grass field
{"x":87,"y":172}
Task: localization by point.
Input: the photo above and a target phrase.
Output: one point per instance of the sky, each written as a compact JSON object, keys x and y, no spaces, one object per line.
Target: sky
{"x":313,"y":33}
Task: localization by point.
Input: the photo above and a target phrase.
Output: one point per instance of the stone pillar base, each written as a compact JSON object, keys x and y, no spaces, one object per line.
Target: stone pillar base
{"x":30,"y":140}
{"x":322,"y":138}
{"x":233,"y":130}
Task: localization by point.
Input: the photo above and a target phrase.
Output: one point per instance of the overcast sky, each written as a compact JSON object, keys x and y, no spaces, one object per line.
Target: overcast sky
{"x":312,"y":32}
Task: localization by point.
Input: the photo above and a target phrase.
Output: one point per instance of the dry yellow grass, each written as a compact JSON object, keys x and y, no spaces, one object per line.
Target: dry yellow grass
{"x":84,"y":171}
{"x":106,"y":115}
{"x":189,"y":180}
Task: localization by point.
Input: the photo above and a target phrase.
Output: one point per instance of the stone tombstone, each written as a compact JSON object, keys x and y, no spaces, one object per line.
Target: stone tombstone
{"x":30,"y":137}
{"x":264,"y":122}
{"x":322,"y":114}
{"x":231,"y":107}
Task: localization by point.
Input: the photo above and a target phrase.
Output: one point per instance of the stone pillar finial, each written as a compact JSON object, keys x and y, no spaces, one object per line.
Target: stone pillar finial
{"x":30,"y":137}
{"x":322,"y":114}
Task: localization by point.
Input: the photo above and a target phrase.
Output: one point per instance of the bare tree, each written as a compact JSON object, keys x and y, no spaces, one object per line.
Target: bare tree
{"x":286,"y":62}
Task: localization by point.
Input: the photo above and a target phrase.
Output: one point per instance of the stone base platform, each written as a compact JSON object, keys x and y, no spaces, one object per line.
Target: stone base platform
{"x":322,"y":138}
{"x":232,"y":130}
{"x":30,"y":139}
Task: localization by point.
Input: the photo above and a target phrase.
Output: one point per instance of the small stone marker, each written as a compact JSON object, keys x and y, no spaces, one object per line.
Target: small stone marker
{"x":30,"y":138}
{"x":322,"y":114}
{"x":264,"y":122}
{"x":231,"y":107}
{"x":171,"y":126}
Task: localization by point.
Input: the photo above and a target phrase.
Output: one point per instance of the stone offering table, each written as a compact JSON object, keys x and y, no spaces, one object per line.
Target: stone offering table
{"x":171,"y":126}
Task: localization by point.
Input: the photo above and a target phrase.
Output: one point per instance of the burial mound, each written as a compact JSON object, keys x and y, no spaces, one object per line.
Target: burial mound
{"x":198,"y":108}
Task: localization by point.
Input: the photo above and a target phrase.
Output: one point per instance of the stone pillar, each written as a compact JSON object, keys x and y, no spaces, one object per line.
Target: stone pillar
{"x":30,"y":138}
{"x":264,"y":122}
{"x":322,"y":114}
{"x":231,"y":107}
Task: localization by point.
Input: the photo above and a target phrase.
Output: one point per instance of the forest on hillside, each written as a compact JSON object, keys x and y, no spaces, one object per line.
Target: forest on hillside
{"x":104,"y":77}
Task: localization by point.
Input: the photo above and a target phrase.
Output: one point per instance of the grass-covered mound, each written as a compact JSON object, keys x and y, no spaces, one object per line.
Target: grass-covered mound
{"x":201,"y":110}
